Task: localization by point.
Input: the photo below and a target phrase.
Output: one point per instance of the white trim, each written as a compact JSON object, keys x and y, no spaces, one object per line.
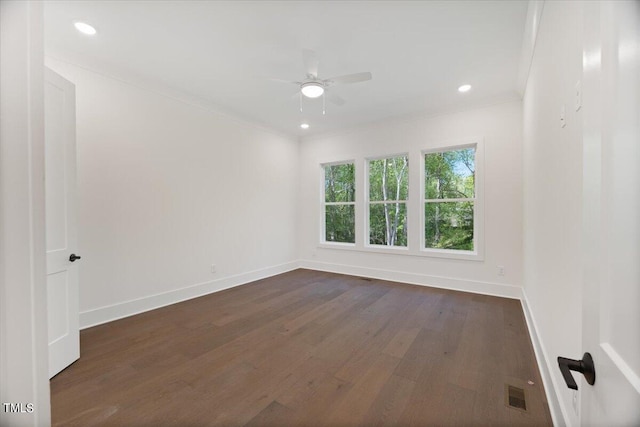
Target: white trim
{"x":464,"y":285}
{"x":529,"y":38}
{"x":336,"y":245}
{"x":129,"y":308}
{"x":622,"y":365}
{"x":337,"y":163}
{"x":420,"y":116}
{"x":338,"y":203}
{"x":415,"y":242}
{"x":23,"y":293}
{"x":451,"y":145}
{"x":477,"y":143}
{"x":323,"y":203}
{"x":366,"y":243}
{"x":448,"y":200}
{"x":388,"y":202}
{"x":386,"y":249}
{"x":112,"y":312}
{"x":559,"y":413}
{"x":451,"y":254}
{"x":167,"y":91}
{"x":402,"y":250}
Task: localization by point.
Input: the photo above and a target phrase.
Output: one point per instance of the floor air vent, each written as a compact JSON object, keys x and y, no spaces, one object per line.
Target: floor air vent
{"x":515,"y":398}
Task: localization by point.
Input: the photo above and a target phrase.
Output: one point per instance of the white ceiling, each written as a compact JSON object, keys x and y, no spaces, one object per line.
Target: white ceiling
{"x":225,"y":53}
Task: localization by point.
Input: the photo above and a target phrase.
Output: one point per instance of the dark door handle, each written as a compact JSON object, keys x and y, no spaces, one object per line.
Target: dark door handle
{"x":74,"y":257}
{"x":584,"y":366}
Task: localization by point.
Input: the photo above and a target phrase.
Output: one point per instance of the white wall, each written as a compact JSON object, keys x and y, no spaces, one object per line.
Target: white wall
{"x":167,"y":188}
{"x":501,"y":128}
{"x":23,"y":292}
{"x":553,"y":193}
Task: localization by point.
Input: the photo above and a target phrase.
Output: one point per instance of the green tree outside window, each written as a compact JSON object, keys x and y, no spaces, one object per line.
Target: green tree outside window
{"x":339,"y":203}
{"x":449,"y":199}
{"x":388,"y":192}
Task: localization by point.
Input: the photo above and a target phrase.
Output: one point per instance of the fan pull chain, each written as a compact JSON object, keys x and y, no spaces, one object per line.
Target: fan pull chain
{"x":323,"y":102}
{"x":301,"y":102}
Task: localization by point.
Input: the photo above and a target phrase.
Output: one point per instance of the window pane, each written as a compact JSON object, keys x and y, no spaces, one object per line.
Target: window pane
{"x":388,"y":224}
{"x":340,"y":223}
{"x":339,"y":183}
{"x":450,"y":174}
{"x":449,"y":225}
{"x":389,"y":179}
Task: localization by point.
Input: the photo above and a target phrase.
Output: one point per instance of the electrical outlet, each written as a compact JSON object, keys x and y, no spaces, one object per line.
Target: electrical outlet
{"x":575,"y":402}
{"x":213,"y":269}
{"x":501,"y":270}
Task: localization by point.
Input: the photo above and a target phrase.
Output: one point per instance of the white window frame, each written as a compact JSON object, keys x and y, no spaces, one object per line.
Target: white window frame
{"x":478,"y":202}
{"x":368,"y":202}
{"x":415,"y":205}
{"x":324,"y":204}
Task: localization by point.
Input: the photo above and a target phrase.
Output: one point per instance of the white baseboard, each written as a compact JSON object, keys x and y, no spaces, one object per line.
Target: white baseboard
{"x":558,"y":410}
{"x":473,"y":286}
{"x":109,"y":313}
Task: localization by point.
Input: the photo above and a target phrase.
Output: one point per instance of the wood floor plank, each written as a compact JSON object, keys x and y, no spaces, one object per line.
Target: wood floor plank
{"x":307,"y":348}
{"x":274,"y":415}
{"x":401,"y":342}
{"x":316,"y":410}
{"x":390,"y":402}
{"x":311,"y":375}
{"x":353,"y":408}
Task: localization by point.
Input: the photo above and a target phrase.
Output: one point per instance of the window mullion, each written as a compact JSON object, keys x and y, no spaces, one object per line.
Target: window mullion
{"x":471,"y":199}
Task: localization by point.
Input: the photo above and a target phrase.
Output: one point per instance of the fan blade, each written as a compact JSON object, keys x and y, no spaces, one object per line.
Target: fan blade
{"x":349,"y":78}
{"x":334,"y":99}
{"x":310,"y":62}
{"x":285,"y":81}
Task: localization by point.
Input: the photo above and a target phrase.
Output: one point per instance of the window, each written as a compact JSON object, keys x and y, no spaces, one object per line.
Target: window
{"x":388,"y":191}
{"x":339,"y":203}
{"x":450,"y":199}
{"x":437,"y":211}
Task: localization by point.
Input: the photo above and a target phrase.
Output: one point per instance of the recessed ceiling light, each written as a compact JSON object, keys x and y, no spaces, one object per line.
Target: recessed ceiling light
{"x":304,"y":125}
{"x":85,"y":28}
{"x":312,"y":89}
{"x":464,"y":88}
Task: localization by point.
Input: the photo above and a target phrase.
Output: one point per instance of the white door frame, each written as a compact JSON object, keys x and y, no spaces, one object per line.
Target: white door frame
{"x":23,"y":299}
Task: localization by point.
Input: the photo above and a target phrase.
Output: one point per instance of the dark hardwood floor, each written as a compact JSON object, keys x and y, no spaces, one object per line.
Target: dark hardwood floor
{"x":307,"y":348}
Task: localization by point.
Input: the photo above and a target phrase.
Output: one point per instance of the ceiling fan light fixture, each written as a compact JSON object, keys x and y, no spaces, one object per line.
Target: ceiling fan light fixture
{"x":312,"y":89}
{"x":464,"y":88}
{"x":85,"y":28}
{"x":304,"y":125}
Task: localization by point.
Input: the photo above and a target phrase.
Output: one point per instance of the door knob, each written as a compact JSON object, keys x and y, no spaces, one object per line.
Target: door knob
{"x":74,"y":257}
{"x":584,"y":366}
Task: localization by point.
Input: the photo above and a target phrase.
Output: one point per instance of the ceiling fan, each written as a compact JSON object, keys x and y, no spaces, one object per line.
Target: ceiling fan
{"x":313,"y":86}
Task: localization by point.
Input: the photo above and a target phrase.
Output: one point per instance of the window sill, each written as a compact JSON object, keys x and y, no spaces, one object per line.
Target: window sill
{"x":404,"y":251}
{"x":452,"y":254}
{"x":337,"y":245}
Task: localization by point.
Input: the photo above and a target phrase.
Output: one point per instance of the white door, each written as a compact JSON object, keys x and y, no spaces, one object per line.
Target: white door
{"x":60,"y":185}
{"x":611,"y":196}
